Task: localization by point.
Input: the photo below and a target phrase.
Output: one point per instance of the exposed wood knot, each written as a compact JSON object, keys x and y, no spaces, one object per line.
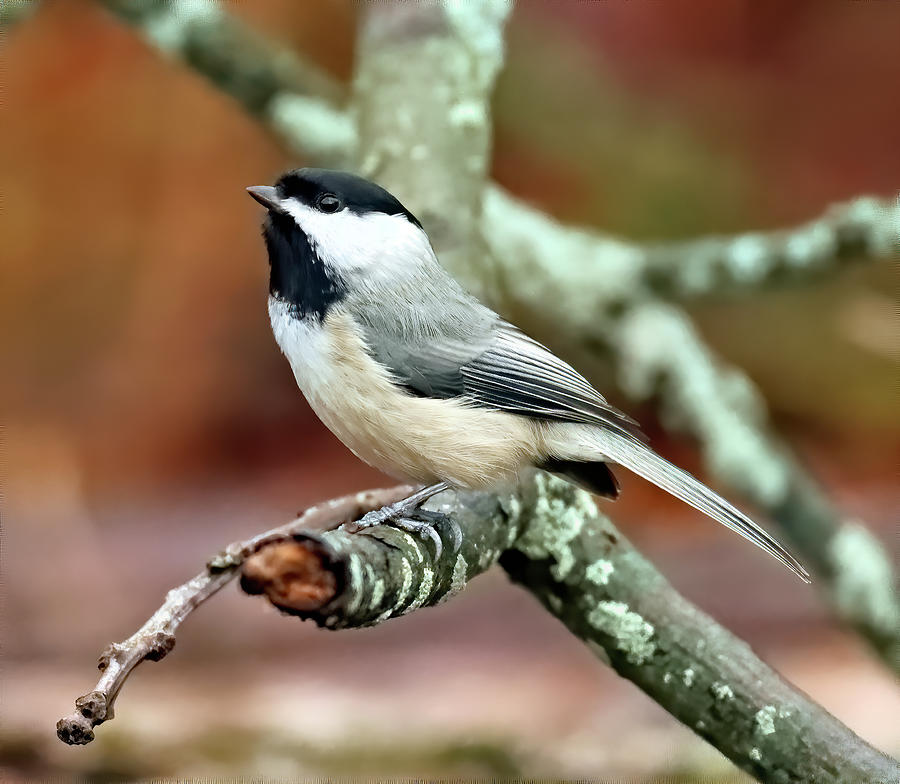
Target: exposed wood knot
{"x":295,"y":576}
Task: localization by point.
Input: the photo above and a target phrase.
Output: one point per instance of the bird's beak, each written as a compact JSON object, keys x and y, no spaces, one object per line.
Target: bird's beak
{"x":267,"y":196}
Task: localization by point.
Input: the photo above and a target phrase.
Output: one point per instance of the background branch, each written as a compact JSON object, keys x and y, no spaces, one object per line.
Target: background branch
{"x":306,"y":108}
{"x":866,"y":228}
{"x":429,"y":139}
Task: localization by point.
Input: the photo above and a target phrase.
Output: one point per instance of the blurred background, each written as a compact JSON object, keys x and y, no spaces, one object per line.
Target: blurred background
{"x":149,"y":418}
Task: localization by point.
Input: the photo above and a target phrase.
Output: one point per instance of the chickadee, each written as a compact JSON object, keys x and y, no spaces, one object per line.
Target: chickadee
{"x":421,"y":380}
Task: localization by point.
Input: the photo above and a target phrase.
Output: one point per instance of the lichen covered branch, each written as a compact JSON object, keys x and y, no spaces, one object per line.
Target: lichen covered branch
{"x":341,"y":579}
{"x":271,"y":81}
{"x":551,"y":538}
{"x":157,"y":636}
{"x":864,"y":228}
{"x":587,"y":574}
{"x":428,"y":139}
{"x":313,"y":568}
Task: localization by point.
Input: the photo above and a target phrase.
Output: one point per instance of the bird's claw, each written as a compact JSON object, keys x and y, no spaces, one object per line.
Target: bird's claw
{"x":417,"y":521}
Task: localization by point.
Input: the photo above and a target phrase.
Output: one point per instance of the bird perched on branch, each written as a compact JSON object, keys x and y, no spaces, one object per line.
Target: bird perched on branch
{"x":424,"y":382}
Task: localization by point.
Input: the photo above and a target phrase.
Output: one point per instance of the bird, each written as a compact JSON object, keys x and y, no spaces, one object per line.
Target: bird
{"x":420,"y":379}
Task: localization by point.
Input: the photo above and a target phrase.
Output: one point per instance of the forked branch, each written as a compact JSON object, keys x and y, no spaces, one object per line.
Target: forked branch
{"x":552,"y":539}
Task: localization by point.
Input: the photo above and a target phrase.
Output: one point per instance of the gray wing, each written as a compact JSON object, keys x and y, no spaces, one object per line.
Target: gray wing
{"x":502,"y":368}
{"x":499,"y":367}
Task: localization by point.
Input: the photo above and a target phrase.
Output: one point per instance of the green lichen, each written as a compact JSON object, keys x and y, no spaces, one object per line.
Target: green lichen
{"x":472,"y":113}
{"x":863,"y":578}
{"x":512,"y":508}
{"x":558,"y":516}
{"x":880,"y":221}
{"x":631,"y":633}
{"x":599,"y":572}
{"x":755,"y":754}
{"x":407,"y":570}
{"x":424,"y":591}
{"x":377,"y":589}
{"x":356,"y":583}
{"x":457,"y":578}
{"x":722,"y":691}
{"x":413,"y":545}
{"x":170,"y":28}
{"x":749,"y":259}
{"x":812,"y":244}
{"x":328,"y":134}
{"x":765,"y":719}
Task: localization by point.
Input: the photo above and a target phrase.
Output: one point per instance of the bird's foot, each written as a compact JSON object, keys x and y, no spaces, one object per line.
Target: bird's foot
{"x":407,"y":515}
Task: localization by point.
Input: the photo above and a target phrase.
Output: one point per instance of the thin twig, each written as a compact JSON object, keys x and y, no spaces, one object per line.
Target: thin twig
{"x":156,"y":637}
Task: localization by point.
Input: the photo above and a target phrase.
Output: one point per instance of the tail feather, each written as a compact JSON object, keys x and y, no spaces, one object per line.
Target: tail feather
{"x":642,"y":460}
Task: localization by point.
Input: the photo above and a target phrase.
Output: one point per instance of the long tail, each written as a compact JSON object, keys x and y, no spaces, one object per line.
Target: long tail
{"x":642,"y":460}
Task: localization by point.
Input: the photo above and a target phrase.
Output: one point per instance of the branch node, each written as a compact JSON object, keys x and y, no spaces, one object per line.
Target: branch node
{"x":107,"y":655}
{"x":94,"y":706}
{"x":159,"y":645}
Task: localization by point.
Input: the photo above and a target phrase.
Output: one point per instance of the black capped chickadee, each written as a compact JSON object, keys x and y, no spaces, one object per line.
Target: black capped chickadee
{"x":421,"y":380}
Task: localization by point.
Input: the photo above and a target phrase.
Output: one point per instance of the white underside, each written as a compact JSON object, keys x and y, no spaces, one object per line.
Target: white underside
{"x":416,"y":439}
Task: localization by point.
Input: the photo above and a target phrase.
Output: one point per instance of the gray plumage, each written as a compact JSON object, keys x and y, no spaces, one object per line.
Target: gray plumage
{"x":471,"y":352}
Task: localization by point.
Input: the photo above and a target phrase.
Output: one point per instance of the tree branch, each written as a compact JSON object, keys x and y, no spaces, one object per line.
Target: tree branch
{"x":428,"y":140}
{"x":866,"y":228}
{"x":269,"y":81}
{"x":156,"y":637}
{"x":551,"y":538}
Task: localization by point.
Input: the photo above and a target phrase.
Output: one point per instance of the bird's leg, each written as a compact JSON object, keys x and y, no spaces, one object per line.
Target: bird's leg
{"x":399,"y":515}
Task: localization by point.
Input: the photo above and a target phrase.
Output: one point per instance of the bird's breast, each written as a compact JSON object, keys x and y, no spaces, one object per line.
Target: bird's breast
{"x":416,"y":439}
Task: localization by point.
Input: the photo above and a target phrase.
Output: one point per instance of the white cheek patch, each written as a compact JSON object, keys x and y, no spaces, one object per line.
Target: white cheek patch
{"x":375,"y":243}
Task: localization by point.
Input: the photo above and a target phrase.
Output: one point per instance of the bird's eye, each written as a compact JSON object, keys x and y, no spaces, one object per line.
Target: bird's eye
{"x":328,"y":202}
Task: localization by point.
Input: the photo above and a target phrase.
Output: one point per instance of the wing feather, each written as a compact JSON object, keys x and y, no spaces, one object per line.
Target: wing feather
{"x":504,"y":369}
